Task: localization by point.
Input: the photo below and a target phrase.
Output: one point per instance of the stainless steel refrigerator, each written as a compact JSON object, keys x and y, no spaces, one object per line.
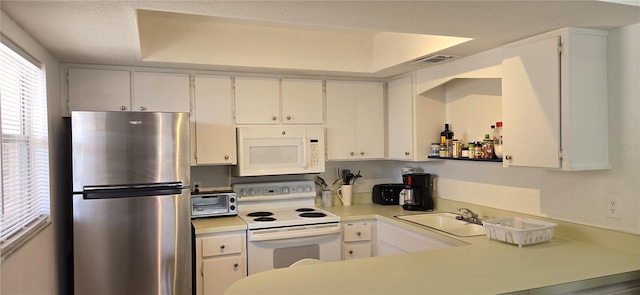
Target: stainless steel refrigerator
{"x":131,"y":215}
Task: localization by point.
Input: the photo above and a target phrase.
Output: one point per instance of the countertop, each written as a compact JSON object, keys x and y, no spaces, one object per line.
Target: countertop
{"x":476,"y":266}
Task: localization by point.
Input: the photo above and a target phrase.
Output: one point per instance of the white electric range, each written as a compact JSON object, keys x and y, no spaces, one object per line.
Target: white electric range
{"x":284,"y":226}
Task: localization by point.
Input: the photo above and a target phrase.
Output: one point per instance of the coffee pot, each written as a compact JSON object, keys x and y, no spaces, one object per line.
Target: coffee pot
{"x":417,"y":194}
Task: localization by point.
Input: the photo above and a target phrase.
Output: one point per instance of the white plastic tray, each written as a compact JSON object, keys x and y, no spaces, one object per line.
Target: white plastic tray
{"x":519,"y":231}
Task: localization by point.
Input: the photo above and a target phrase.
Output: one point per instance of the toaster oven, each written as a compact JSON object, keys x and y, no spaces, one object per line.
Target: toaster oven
{"x":214,"y":203}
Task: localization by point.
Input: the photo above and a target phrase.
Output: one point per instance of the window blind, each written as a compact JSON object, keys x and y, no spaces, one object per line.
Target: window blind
{"x":25,"y":150}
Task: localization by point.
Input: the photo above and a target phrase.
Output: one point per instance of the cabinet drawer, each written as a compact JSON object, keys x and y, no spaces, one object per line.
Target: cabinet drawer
{"x":354,"y":232}
{"x":221,"y":245}
{"x":356,"y":250}
{"x":219,"y":273}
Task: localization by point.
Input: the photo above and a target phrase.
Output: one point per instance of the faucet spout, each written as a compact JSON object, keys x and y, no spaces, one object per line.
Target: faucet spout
{"x":469,"y":216}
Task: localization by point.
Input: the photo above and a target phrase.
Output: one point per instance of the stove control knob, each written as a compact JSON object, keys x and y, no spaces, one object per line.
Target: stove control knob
{"x":307,"y":188}
{"x":252,"y":192}
{"x":285,"y":190}
{"x":299,"y":189}
{"x":241,"y":192}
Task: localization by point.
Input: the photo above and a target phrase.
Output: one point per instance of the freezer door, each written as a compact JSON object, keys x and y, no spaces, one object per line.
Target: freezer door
{"x":112,"y":148}
{"x":137,"y":245}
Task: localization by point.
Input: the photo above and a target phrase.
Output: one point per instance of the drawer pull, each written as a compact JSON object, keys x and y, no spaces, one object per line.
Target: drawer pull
{"x":359,"y":234}
{"x":351,"y":252}
{"x":222,"y":247}
{"x":235,"y":265}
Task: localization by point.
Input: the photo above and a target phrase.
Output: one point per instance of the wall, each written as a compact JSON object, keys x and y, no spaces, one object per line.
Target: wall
{"x":34,"y":268}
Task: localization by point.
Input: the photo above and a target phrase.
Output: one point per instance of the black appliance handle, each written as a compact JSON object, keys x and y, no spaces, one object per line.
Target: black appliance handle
{"x":95,"y":192}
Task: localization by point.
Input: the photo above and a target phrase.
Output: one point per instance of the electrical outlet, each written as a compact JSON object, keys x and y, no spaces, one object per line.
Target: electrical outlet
{"x":613,"y":206}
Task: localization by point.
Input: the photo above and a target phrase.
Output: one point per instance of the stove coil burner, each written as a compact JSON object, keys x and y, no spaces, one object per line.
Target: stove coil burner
{"x":264,"y":219}
{"x":259,"y":214}
{"x":313,"y":214}
{"x":305,"y":209}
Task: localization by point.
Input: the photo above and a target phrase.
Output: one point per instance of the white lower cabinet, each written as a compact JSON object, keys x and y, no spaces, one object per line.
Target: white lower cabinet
{"x":393,"y":239}
{"x":356,"y":239}
{"x":220,"y":261}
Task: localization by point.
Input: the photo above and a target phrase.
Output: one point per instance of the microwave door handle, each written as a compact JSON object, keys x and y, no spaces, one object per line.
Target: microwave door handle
{"x":305,"y":156}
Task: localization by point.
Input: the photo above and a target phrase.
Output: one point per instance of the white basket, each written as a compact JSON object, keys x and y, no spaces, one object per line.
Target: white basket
{"x":519,"y":231}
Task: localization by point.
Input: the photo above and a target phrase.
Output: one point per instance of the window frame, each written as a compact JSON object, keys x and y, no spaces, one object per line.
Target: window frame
{"x":31,"y":142}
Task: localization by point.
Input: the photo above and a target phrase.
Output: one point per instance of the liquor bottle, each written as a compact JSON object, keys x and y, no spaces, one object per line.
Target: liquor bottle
{"x":446,"y":138}
{"x":446,"y":134}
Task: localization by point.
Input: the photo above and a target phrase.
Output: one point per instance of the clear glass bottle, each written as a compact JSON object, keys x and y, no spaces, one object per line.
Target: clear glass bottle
{"x":477,"y":150}
{"x":487,"y":147}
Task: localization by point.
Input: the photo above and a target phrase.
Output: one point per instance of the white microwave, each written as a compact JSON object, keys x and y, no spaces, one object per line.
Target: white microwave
{"x":277,"y":150}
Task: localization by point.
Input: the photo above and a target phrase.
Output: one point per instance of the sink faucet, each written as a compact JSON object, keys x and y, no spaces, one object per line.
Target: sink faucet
{"x":469,"y":216}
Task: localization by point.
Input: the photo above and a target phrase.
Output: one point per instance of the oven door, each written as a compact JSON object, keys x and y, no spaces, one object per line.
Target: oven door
{"x":280,"y":247}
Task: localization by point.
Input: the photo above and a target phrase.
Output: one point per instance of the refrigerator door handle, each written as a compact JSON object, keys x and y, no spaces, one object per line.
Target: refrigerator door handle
{"x":132,"y":191}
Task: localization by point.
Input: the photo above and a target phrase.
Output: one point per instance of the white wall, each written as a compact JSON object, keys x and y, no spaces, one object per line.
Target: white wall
{"x":33,"y":269}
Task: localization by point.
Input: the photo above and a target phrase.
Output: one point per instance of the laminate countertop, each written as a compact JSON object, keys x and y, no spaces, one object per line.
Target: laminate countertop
{"x":477,"y":266}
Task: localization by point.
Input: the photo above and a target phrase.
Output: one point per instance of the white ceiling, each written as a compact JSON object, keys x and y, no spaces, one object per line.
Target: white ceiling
{"x":106,"y":32}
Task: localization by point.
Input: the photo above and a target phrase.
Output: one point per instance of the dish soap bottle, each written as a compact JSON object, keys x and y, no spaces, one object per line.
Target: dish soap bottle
{"x":497,"y":148}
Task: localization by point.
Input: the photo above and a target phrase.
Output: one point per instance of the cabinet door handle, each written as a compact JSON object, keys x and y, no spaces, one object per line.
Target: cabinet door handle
{"x":361,"y":153}
{"x":221,"y":247}
{"x":226,"y":157}
{"x":123,"y":108}
{"x":406,"y":153}
{"x":235,"y":265}
{"x":274,"y":118}
{"x":288,"y":117}
{"x":352,"y":153}
{"x":507,"y":157}
{"x":359,"y":234}
{"x":350,"y":251}
{"x":142,"y":108}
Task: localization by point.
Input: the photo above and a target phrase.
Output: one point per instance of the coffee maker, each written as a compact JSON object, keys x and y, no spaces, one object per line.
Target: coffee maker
{"x":417,"y":192}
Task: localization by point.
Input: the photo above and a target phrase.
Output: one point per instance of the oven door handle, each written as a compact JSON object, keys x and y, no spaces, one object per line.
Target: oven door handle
{"x":269,"y":235}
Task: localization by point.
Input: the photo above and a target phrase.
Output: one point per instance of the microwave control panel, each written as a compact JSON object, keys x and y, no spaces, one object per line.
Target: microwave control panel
{"x":314,"y":151}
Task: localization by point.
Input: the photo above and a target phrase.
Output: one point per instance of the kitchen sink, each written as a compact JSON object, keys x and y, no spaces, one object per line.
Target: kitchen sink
{"x":446,"y":222}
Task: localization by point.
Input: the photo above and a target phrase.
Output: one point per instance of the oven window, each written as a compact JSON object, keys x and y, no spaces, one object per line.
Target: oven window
{"x":284,"y":257}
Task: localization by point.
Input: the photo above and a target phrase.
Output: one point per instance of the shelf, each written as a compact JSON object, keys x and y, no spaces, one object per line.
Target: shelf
{"x":466,"y":159}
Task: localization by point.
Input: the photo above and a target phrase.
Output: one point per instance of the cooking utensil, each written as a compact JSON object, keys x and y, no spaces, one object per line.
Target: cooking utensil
{"x":321,"y":183}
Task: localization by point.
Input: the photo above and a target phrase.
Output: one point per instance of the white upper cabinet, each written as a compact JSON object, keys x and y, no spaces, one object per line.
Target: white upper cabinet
{"x":554,"y":91}
{"x":214,"y":130}
{"x":400,"y":136}
{"x":531,"y":104}
{"x":111,"y":90}
{"x":355,"y":120}
{"x":257,"y":100}
{"x":274,"y":101}
{"x":161,"y":92}
{"x":99,"y":90}
{"x":302,"y":101}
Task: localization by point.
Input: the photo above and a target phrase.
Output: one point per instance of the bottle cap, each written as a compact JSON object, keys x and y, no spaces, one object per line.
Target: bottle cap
{"x":499,"y":124}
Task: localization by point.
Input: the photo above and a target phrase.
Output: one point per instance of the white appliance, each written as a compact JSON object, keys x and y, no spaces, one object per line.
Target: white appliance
{"x":283,"y":226}
{"x":276,"y":150}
